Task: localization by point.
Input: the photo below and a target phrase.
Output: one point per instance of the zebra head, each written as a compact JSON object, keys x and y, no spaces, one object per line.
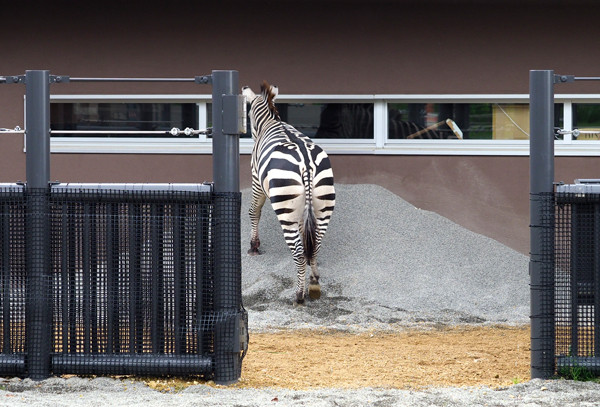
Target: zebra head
{"x":262,"y":106}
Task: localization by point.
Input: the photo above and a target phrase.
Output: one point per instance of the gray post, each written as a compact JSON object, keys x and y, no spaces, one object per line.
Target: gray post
{"x":37,"y":127}
{"x":541,"y":265}
{"x":38,"y":301}
{"x":226,"y":147}
{"x":227,"y":245}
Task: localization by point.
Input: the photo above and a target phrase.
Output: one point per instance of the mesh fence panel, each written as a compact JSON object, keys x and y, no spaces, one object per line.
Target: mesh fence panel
{"x":542,"y":286}
{"x":577,"y":288}
{"x":12,"y":279}
{"x":130,"y":286}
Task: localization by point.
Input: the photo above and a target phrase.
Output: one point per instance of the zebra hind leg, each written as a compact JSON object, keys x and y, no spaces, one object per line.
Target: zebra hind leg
{"x":300,"y":260}
{"x":258,"y":200}
{"x":314,"y":288}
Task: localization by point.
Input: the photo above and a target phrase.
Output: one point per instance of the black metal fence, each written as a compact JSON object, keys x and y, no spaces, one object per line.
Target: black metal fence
{"x":577,"y":277}
{"x":130,"y":285}
{"x":123,"y":279}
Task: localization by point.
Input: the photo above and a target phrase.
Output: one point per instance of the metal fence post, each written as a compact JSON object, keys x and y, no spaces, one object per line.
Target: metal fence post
{"x":226,"y":147}
{"x":541,"y":264}
{"x":38,"y":300}
{"x":227,"y":257}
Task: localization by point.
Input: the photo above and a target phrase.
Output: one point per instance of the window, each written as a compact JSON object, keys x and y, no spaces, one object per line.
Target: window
{"x":342,"y":124}
{"x":469,"y":121}
{"x":123,"y":116}
{"x":324,"y":120}
{"x":330,"y":120}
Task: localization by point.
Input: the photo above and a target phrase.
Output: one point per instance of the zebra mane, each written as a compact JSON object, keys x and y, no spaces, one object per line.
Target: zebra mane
{"x":269,"y":96}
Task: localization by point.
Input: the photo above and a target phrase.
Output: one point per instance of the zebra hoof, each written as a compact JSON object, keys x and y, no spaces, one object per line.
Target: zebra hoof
{"x":299,"y":303}
{"x":254,"y":252}
{"x":314,"y":291}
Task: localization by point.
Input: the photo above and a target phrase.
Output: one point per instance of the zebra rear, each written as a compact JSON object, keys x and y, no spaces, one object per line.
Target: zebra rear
{"x":296,"y":175}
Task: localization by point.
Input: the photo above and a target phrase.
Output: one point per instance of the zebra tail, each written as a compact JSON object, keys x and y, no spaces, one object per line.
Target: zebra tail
{"x":310,"y":233}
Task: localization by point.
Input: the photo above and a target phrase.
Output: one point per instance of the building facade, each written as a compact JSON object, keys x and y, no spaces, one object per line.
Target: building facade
{"x":426,"y":98}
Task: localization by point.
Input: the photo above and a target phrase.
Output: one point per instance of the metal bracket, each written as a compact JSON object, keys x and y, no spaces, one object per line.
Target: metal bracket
{"x":21,"y":79}
{"x":203,"y":80}
{"x":234,"y":114}
{"x":564,"y":78}
{"x":12,"y":79}
{"x":241,"y":334}
{"x":59,"y":79}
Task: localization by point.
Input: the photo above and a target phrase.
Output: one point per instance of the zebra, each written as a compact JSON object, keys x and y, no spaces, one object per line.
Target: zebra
{"x":296,"y":175}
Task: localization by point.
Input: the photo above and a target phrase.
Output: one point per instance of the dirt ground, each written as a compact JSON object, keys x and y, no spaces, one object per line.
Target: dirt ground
{"x":490,"y":356}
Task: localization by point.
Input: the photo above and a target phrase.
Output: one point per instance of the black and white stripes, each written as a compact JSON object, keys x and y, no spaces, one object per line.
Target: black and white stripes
{"x":295,"y":174}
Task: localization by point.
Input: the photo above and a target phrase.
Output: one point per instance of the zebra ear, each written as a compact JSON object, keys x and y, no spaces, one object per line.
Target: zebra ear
{"x":248,"y":93}
{"x":274,"y":90}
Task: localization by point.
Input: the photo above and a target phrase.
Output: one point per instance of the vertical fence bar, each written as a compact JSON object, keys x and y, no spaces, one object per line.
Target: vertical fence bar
{"x":155,"y":247}
{"x":227,"y":278}
{"x":181,"y":285}
{"x":574,"y":280}
{"x":112,"y":318}
{"x":93,"y":262}
{"x":6,"y":272}
{"x":85,"y":275}
{"x":177,"y":279}
{"x":541,"y":265}
{"x":596,"y":282}
{"x":64,"y":278}
{"x":39,"y":316}
{"x":135,"y":310}
{"x":200,"y":270}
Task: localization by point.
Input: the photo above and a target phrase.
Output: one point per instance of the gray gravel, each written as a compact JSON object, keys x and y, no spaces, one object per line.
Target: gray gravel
{"x":384,"y":265}
{"x":112,"y":392}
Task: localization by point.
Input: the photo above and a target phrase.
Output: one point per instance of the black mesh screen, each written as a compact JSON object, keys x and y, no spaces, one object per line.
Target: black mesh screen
{"x":542,"y":285}
{"x":131,"y":282}
{"x":577,"y":287}
{"x":12,"y":279}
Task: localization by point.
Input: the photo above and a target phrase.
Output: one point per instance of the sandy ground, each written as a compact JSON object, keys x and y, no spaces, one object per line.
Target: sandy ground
{"x":466,"y":356}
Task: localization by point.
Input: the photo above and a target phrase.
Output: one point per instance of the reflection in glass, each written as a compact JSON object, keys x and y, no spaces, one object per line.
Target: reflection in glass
{"x":122,"y":116}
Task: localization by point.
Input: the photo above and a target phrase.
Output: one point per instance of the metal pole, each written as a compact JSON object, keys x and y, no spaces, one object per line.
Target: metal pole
{"x":226,"y":147}
{"x":227,"y":257}
{"x":37,"y":127}
{"x":38,"y":314}
{"x":541,"y":265}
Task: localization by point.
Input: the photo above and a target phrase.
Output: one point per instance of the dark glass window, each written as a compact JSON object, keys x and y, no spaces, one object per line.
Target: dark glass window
{"x":330,"y":120}
{"x":324,"y":120}
{"x":122,"y":117}
{"x":483,"y":121}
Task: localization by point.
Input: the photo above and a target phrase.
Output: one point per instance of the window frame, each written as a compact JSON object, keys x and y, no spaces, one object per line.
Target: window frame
{"x":379,"y":145}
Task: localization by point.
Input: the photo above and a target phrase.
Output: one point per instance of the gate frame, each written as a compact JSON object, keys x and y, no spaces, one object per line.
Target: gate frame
{"x":228,"y":113}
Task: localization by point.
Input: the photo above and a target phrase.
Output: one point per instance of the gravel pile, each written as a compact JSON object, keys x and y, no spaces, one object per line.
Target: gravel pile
{"x":385,"y":265}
